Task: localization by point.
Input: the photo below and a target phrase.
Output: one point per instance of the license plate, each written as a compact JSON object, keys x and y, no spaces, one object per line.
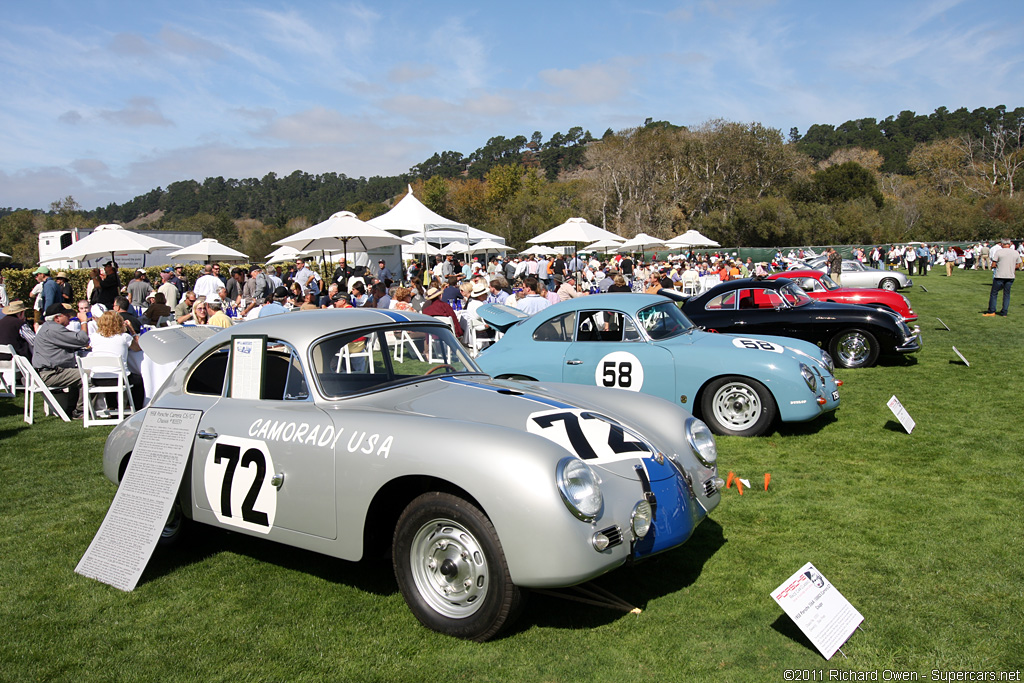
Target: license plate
{"x":835,"y":395}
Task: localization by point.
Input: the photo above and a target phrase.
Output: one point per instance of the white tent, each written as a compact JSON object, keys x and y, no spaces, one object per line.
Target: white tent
{"x":208,"y":249}
{"x":409,"y":215}
{"x":106,"y":240}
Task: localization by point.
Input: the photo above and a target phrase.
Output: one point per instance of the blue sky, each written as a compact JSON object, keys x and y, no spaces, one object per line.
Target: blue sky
{"x":107,"y":100}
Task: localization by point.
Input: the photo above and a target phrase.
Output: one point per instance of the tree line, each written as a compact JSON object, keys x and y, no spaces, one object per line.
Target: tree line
{"x":943,"y":176}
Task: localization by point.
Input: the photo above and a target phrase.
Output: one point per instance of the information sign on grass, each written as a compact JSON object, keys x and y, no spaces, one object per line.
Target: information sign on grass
{"x":901,"y":414}
{"x":822,"y":613}
{"x":125,"y":541}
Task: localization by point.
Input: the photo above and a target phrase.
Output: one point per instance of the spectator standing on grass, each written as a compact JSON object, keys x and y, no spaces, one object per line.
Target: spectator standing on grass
{"x":835,"y":264}
{"x":168,"y":288}
{"x":1005,"y":264}
{"x":139,"y":289}
{"x":950,"y":261}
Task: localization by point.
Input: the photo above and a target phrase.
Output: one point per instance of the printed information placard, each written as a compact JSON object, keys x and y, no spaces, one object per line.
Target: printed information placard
{"x":125,"y":541}
{"x":901,"y":414}
{"x":957,"y":352}
{"x":822,"y":613}
{"x":247,"y":357}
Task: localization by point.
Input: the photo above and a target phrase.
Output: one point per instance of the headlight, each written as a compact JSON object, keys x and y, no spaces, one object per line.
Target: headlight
{"x":641,"y":518}
{"x":702,"y":441}
{"x":808,"y":376}
{"x":580,"y":488}
{"x":825,"y":356}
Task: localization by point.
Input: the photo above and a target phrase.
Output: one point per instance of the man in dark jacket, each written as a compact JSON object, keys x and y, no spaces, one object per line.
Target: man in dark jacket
{"x":11,"y":330}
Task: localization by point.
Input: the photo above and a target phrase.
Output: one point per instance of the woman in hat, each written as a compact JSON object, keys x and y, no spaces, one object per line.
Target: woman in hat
{"x":439,"y":309}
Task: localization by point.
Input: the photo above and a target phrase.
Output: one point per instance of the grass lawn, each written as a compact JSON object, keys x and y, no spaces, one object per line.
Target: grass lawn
{"x":922,"y":532}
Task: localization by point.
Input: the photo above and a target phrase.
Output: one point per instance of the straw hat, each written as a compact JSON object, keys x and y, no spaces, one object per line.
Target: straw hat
{"x":433,"y":293}
{"x":15,"y":307}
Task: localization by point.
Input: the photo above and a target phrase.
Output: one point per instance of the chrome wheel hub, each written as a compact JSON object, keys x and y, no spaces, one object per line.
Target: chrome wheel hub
{"x":736,"y":406}
{"x":449,"y":568}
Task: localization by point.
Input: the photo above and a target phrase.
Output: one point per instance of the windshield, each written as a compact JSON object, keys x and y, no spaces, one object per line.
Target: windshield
{"x":829,"y":283}
{"x":354,"y":362}
{"x":793,"y":295}
{"x":663,"y":320}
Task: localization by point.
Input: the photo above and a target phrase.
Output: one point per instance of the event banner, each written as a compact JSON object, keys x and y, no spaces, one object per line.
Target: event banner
{"x":129,"y":533}
{"x":822,"y":613}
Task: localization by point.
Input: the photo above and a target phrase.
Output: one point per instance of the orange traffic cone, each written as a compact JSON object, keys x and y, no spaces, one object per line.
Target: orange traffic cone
{"x":767,"y":478}
{"x":739,"y":485}
{"x":728,"y":481}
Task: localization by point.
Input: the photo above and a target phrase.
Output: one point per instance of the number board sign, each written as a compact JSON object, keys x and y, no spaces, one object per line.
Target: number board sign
{"x":248,"y":362}
{"x":125,"y":540}
{"x":822,"y":613}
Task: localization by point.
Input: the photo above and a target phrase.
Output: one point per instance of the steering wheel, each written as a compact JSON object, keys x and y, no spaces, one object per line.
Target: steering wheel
{"x":439,"y":366}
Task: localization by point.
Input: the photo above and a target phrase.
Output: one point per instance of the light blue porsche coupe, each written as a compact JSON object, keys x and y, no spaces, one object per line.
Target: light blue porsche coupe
{"x":739,"y":385}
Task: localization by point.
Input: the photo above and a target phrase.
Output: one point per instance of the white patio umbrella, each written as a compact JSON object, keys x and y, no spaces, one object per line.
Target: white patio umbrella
{"x":107,"y":240}
{"x":282,"y":254}
{"x":576,"y":230}
{"x":691,"y":238}
{"x":337,"y":232}
{"x":208,"y":249}
{"x":641,"y":241}
{"x":602,"y":245}
{"x":487,"y":245}
{"x":3,"y":255}
{"x":418,"y":248}
{"x":540,"y":251}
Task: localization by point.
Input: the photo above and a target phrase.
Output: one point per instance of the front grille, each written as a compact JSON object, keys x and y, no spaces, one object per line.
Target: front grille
{"x":709,"y":488}
{"x":614,"y":534}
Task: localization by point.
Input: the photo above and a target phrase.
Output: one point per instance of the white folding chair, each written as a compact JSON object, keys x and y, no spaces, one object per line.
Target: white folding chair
{"x":476,"y":342}
{"x":345,"y":356}
{"x":398,"y":341}
{"x":104,"y":367}
{"x":8,"y":373}
{"x":433,"y":342}
{"x":34,"y":385}
{"x":690,"y":283}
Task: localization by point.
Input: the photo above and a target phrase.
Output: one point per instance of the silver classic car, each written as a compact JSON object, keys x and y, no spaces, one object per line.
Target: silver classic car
{"x":366,"y":430}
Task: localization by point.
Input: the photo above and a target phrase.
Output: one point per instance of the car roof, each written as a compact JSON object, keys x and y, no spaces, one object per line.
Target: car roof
{"x":299,"y":328}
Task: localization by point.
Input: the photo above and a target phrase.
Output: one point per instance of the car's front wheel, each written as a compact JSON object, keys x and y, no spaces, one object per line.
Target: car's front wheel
{"x":854,"y":349}
{"x":738,"y":406}
{"x":889,"y":284}
{"x":451,"y":568}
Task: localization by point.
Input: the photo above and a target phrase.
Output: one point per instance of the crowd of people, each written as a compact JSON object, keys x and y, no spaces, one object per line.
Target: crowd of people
{"x":109,"y":318}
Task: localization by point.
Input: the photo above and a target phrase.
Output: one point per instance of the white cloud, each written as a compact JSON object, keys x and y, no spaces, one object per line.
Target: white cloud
{"x":141,"y":111}
{"x":588,"y":84}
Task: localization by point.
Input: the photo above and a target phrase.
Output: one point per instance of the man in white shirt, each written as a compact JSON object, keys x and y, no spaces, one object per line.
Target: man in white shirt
{"x":208,"y":284}
{"x":303,"y":274}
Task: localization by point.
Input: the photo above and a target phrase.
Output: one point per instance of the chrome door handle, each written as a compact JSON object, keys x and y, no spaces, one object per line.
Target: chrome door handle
{"x":203,"y":434}
{"x":574,"y":362}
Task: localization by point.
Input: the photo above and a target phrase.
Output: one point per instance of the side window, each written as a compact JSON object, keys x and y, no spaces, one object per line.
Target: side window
{"x":629,"y":331}
{"x":559,"y":328}
{"x":283,"y":379}
{"x":725,"y":302}
{"x":207,"y":378}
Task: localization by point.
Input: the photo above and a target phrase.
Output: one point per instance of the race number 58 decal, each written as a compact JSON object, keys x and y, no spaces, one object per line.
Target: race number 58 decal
{"x":589,"y":435}
{"x":758,"y":344}
{"x":237,"y":478}
{"x":620,"y":370}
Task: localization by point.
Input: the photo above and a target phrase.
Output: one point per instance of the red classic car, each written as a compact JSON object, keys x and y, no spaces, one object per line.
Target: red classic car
{"x":823,"y":288}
